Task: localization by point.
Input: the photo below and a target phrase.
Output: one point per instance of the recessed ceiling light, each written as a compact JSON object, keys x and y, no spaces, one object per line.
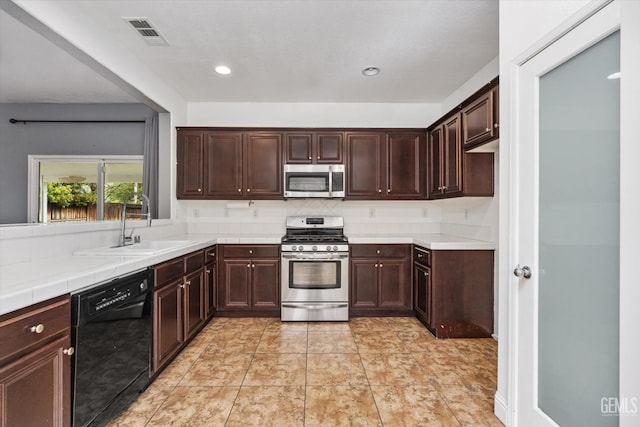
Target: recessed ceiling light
{"x":223,"y":69}
{"x":371,"y":71}
{"x":614,"y":76}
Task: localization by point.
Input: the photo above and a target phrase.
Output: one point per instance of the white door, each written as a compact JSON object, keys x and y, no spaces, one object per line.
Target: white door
{"x":567,"y":258}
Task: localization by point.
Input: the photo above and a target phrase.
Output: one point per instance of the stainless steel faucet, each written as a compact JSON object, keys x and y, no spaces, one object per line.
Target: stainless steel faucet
{"x":124,"y":239}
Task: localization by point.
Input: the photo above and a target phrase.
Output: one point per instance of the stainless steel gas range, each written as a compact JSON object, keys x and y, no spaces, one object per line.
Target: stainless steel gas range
{"x":315,"y":270}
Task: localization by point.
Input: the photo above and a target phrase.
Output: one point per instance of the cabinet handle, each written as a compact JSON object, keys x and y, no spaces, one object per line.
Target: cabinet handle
{"x":248,"y":265}
{"x":426,"y":274}
{"x":250,"y":251}
{"x":420,"y":255}
{"x":38,"y":329}
{"x":375,"y":265}
{"x":208,"y":271}
{"x":378,"y":251}
{"x":188,"y":282}
{"x":199,"y":190}
{"x":318,"y":158}
{"x":444,"y":188}
{"x":309,"y":157}
{"x":212,"y":254}
{"x":181,"y":286}
{"x":379,"y":190}
{"x":487,"y":130}
{"x":253,"y":266}
{"x":239,"y":190}
{"x":380,"y":265}
{"x":388,"y":190}
{"x":496,"y":125}
{"x":69,"y":351}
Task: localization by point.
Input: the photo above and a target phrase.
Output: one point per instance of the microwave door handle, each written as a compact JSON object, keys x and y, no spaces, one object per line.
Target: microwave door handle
{"x":330,"y":181}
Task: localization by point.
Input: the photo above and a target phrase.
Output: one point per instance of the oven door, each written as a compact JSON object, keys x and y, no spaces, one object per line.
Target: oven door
{"x":315,"y":277}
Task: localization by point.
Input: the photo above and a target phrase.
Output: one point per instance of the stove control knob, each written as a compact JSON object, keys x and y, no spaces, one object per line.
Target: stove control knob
{"x":328,"y":248}
{"x":314,"y":248}
{"x":335,"y":249}
{"x":293,"y":248}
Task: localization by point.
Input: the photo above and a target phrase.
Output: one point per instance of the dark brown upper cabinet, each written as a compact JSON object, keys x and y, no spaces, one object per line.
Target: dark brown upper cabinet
{"x":480,"y":121}
{"x":385,"y":166}
{"x":314,"y":147}
{"x":190,"y":168}
{"x":229,"y":165}
{"x":445,"y":159}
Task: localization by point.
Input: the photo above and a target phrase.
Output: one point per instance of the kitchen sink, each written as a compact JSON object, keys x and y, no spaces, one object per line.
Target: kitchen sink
{"x":147,"y":248}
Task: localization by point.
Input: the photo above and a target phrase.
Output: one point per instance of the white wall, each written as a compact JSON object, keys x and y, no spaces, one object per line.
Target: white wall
{"x":479,"y":79}
{"x":523,"y":24}
{"x":376,"y":115}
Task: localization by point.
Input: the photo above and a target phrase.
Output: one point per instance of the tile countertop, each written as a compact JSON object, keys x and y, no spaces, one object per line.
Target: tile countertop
{"x":429,"y":241}
{"x":24,"y":284}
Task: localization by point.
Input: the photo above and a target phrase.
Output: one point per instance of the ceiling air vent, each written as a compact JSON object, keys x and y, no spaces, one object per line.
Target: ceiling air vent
{"x":147,"y":31}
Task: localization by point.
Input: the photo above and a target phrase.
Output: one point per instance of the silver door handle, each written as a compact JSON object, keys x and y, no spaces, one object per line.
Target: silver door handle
{"x":314,"y":306}
{"x":522,"y":271}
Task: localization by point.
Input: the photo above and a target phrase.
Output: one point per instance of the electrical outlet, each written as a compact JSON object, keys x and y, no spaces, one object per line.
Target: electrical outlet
{"x":372,"y":212}
{"x":425,"y":212}
{"x":196,"y":213}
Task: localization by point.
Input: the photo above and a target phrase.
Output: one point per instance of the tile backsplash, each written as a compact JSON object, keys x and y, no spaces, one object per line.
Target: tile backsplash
{"x":268,"y":217}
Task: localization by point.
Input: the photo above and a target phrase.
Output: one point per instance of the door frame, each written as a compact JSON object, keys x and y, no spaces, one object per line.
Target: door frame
{"x":629,"y":206}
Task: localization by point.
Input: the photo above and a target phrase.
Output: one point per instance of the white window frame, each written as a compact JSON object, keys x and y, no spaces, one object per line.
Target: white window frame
{"x":33,"y":181}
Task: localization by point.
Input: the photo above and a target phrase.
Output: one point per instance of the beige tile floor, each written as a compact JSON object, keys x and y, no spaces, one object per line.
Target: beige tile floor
{"x":367,"y":372}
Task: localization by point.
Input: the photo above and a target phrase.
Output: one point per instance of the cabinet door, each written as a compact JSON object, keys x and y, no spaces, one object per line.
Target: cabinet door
{"x":405,"y":179}
{"x":194,"y":302}
{"x":237,"y":277}
{"x":298,"y":148}
{"x":422,"y":292}
{"x":364,"y":283}
{"x":210,"y":289}
{"x":190,"y":168}
{"x":265,"y":284}
{"x":452,"y":163}
{"x":477,"y":121}
{"x":35,"y":390}
{"x":167,"y":323}
{"x":394,"y":286}
{"x":328,"y":147}
{"x":263,"y":167}
{"x":224,"y":152}
{"x":436,"y":141}
{"x":365,"y":157}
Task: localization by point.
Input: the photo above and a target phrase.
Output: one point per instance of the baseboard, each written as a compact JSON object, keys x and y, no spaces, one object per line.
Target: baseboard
{"x":500,"y":408}
{"x":494,"y":336}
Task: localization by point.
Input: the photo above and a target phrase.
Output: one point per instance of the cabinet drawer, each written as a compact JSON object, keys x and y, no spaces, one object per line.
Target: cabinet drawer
{"x":210,"y":255}
{"x":376,"y":251}
{"x":251,"y":251}
{"x":193,"y":261}
{"x":168,"y":271}
{"x":19,"y":331}
{"x":422,"y":256}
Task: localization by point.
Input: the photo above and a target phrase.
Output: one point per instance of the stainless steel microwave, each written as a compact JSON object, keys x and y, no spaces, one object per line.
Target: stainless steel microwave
{"x":322,"y":181}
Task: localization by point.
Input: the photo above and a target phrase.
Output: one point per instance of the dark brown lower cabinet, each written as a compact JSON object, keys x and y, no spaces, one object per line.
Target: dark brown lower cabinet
{"x":380,"y":280}
{"x":35,"y":367}
{"x":249,"y":280}
{"x":179,"y":305}
{"x":454,"y":292}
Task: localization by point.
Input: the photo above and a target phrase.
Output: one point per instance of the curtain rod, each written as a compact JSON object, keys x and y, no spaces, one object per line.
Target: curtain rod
{"x":74,"y":121}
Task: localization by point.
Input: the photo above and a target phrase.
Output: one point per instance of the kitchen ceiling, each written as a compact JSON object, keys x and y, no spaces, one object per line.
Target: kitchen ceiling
{"x":278,"y":51}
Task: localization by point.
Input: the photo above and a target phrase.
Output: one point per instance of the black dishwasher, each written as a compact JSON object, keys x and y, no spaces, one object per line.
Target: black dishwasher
{"x":111,"y":334}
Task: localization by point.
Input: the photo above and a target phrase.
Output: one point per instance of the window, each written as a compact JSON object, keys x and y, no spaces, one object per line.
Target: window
{"x":83,"y":188}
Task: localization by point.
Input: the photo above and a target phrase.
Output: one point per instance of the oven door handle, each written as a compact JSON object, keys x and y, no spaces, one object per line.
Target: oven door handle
{"x":314,"y":306}
{"x":311,"y":257}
